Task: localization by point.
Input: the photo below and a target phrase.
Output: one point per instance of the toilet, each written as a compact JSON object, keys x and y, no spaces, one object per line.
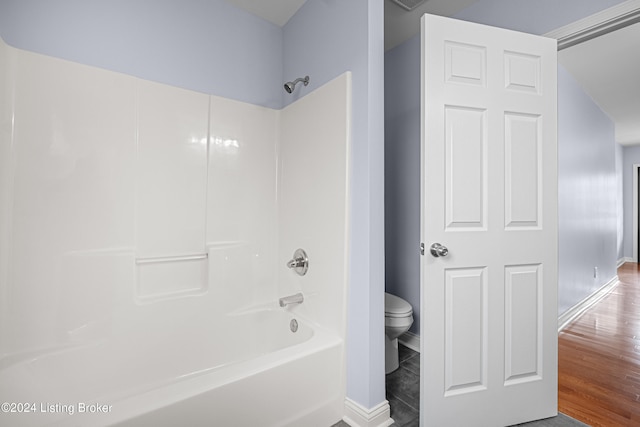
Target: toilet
{"x":398,"y":317}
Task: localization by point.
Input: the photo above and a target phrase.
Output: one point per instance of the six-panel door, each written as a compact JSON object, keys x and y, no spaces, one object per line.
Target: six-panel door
{"x":489,"y":194}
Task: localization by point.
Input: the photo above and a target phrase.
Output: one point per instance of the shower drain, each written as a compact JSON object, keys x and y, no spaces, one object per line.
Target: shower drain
{"x":293,"y":325}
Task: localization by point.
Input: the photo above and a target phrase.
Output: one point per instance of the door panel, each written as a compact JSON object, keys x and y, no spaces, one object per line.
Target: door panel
{"x":489,"y":194}
{"x":523,"y":197}
{"x":466,"y":169}
{"x":465,"y":347}
{"x":522,"y":72}
{"x":465,"y":63}
{"x":523,"y":332}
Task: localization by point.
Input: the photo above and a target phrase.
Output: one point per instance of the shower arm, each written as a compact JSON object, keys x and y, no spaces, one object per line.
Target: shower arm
{"x":304,"y":80}
{"x":290,"y":86}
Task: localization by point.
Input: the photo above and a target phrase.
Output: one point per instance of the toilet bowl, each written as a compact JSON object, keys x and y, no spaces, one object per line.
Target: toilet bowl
{"x":398,"y":317}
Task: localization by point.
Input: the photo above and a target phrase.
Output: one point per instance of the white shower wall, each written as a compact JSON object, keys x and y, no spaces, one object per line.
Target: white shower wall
{"x":313,"y":199}
{"x":126,"y":204}
{"x":71,"y":200}
{"x":241,"y":222}
{"x":5,"y":174}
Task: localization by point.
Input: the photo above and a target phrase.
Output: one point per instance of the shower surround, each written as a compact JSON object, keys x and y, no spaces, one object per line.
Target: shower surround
{"x":145,"y":231}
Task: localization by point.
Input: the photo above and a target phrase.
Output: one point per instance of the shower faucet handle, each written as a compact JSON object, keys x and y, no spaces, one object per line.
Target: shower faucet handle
{"x":299,"y":263}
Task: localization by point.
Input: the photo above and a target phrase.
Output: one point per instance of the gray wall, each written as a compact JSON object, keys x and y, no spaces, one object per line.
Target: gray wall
{"x":402,"y":173}
{"x":587,"y":194}
{"x":213,"y":47}
{"x":597,"y":235}
{"x":620,"y":201}
{"x":207,"y":46}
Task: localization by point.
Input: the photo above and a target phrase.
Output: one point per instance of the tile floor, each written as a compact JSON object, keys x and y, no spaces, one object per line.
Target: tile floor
{"x":403,"y":394}
{"x":403,"y":390}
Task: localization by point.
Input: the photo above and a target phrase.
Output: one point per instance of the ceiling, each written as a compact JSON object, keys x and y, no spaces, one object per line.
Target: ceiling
{"x":608,"y":69}
{"x":400,"y":25}
{"x":275,"y":11}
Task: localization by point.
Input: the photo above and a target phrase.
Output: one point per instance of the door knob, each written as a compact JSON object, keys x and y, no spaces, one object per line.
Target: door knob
{"x":437,"y":250}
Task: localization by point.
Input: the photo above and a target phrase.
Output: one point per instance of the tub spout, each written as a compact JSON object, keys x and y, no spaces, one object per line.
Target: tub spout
{"x":291,"y":299}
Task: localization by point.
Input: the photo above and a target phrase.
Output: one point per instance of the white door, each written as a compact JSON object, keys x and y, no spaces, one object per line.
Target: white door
{"x":489,"y":195}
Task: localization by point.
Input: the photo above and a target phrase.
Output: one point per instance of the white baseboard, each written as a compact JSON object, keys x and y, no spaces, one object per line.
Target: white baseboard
{"x":574,"y":312}
{"x":410,"y":340}
{"x":358,"y":416}
{"x":623,"y":260}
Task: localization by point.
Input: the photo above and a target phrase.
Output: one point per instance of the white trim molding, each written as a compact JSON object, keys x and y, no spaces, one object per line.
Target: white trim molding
{"x":621,"y":261}
{"x":411,"y":340}
{"x":606,"y":21}
{"x":635,"y":212}
{"x":357,"y":415}
{"x":577,"y":310}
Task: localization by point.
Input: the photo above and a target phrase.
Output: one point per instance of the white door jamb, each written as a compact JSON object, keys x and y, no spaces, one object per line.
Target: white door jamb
{"x":635,"y":211}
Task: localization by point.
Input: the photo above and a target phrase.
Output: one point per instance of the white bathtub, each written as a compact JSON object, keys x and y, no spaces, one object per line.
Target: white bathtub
{"x":242,"y":370}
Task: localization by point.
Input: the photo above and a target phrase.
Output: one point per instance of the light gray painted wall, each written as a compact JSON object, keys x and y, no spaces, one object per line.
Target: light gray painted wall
{"x":620,"y":200}
{"x":402,"y":148}
{"x":587,"y":194}
{"x":631,"y":156}
{"x":208,"y":46}
{"x":324,"y":39}
{"x":402,"y":174}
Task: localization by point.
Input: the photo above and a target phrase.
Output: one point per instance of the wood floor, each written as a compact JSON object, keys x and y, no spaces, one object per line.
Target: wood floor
{"x":599,"y":358}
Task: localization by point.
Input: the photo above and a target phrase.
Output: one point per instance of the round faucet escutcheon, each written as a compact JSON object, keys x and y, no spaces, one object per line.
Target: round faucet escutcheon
{"x":299,"y":263}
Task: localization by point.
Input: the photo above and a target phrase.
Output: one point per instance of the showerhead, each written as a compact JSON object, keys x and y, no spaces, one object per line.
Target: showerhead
{"x":289,"y":86}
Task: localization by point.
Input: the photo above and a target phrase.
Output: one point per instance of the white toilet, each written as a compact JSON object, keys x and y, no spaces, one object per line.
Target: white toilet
{"x":398,"y":317}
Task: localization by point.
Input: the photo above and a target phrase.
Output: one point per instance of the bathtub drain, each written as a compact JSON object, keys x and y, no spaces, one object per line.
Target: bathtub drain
{"x":293,"y":325}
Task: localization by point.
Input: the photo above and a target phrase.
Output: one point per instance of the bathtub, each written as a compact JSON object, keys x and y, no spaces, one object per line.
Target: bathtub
{"x":246,"y":369}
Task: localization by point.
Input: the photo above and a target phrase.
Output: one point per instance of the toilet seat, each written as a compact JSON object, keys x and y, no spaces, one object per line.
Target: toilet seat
{"x":396,"y":307}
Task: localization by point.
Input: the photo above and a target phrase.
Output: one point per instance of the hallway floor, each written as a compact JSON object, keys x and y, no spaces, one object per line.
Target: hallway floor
{"x":599,"y":358}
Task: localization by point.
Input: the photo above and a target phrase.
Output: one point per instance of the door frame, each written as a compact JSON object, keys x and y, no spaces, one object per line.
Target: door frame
{"x":635,"y":169}
{"x":606,"y":21}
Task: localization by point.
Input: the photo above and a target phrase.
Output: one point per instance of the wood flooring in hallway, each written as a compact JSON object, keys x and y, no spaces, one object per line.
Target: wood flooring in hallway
{"x":599,"y":358}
